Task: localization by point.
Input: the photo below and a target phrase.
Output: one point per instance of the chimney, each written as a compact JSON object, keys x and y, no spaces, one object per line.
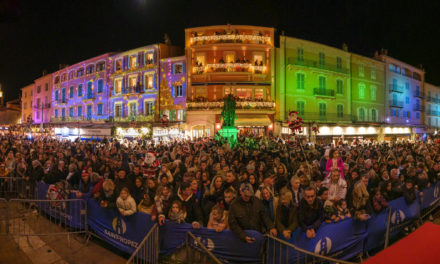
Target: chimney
{"x":44,"y":72}
{"x":344,"y":47}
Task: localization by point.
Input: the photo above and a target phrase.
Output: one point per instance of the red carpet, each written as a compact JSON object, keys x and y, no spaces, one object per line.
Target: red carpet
{"x":420,"y":247}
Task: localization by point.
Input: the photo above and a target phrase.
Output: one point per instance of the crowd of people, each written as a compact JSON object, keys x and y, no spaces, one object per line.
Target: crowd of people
{"x":267,"y":184}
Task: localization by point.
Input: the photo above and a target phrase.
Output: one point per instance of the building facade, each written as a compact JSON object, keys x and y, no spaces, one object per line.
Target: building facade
{"x":225,"y":60}
{"x":405,"y":93}
{"x":41,"y":99}
{"x":314,"y":80}
{"x":432,"y":117}
{"x":80,"y":92}
{"x":27,"y":93}
{"x":135,"y":83}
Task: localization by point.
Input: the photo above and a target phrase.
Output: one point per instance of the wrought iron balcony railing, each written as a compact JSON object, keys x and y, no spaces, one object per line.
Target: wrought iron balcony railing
{"x":395,"y":88}
{"x":395,"y":103}
{"x":323,"y":92}
{"x":249,"y":105}
{"x":316,"y":64}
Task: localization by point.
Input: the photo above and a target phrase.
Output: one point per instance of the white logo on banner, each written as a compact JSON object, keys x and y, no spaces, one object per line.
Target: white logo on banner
{"x":436,"y":191}
{"x":397,"y":217}
{"x":119,"y":226}
{"x":323,"y":246}
{"x":207,"y":242}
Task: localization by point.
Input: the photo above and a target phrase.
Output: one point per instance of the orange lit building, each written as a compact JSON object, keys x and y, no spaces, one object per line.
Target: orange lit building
{"x":224,"y":60}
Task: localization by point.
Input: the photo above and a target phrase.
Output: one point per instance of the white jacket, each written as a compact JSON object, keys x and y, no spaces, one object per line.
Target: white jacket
{"x":336,"y":191}
{"x":128,"y":205}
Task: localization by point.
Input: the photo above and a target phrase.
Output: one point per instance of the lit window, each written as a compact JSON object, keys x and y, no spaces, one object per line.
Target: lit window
{"x":148,"y":81}
{"x":200,"y":60}
{"x":118,"y":86}
{"x":229,"y":56}
{"x":177,"y":68}
{"x":118,"y":65}
{"x":148,"y":108}
{"x":179,"y":90}
{"x":149,"y":58}
{"x":132,"y":81}
{"x":133,"y":62}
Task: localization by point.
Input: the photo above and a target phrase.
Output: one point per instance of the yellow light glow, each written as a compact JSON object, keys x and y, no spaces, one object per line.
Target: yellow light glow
{"x":324,"y":130}
{"x":337,"y":130}
{"x":350,"y":130}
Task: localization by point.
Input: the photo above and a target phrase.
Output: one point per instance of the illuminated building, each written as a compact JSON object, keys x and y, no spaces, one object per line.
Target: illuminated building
{"x":80,"y":92}
{"x":314,"y":80}
{"x":432,"y":103}
{"x":404,"y":92}
{"x":229,"y":59}
{"x":41,"y":99}
{"x":26,"y":103}
{"x":135,"y":83}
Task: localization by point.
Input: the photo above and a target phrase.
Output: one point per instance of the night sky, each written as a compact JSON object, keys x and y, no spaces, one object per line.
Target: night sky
{"x":37,"y":35}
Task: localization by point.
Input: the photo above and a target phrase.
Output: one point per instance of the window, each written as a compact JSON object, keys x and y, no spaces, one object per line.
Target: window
{"x":361,"y":87}
{"x":56,"y":112}
{"x":300,"y":107}
{"x":417,"y":115}
{"x":149,"y":108}
{"x":408,"y":114}
{"x":63,"y":94}
{"x":361,"y":70}
{"x":100,"y":85}
{"x":340,"y":111}
{"x":100,"y":109}
{"x":258,"y":58}
{"x":89,"y":112}
{"x":79,"y":111}
{"x":200,"y":59}
{"x":407,"y":100}
{"x":71,"y":91}
{"x":178,"y":68}
{"x":321,"y":59}
{"x":57,"y":95}
{"x":361,"y":114}
{"x":38,"y":115}
{"x":89,"y":89}
{"x":71,"y":111}
{"x":38,"y":103}
{"x":373,"y":73}
{"x":300,"y":81}
{"x":149,"y":58}
{"x":407,"y":86}
{"x":179,"y":90}
{"x":339,"y":63}
{"x":322,"y":110}
{"x":373,"y":92}
{"x":339,"y":87}
{"x":300,"y":54}
{"x":373,"y":115}
{"x":392,"y":67}
{"x":179,"y":115}
{"x":24,"y":105}
{"x":80,"y":90}
{"x":38,"y":89}
{"x":397,"y":113}
{"x":148,"y":81}
{"x":71,"y":75}
{"x":25,"y":95}
{"x":133,"y":62}
{"x":63,"y":112}
{"x":132,"y":109}
{"x":63,"y":77}
{"x":90,"y":69}
{"x":132,"y":81}
{"x":118,"y":86}
{"x":259,"y":93}
{"x":100,"y":66}
{"x":57,"y":79}
{"x":322,"y":83}
{"x":118,"y":65}
{"x":80,"y":72}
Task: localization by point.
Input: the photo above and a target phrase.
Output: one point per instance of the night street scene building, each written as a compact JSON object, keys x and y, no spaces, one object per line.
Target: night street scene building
{"x":146,"y":131}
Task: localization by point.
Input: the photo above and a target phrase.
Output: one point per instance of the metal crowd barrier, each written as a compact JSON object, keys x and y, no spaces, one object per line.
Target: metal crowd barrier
{"x":3,"y":217}
{"x":30,"y":217}
{"x":196,"y":252}
{"x":281,"y":250}
{"x":148,"y":249}
{"x":16,"y":187}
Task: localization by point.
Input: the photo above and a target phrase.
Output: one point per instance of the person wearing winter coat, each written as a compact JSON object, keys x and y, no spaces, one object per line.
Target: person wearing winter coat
{"x":311,"y":213}
{"x":190,"y":204}
{"x":107,"y":198}
{"x":409,"y":193}
{"x":125,"y":203}
{"x":337,"y":187}
{"x":286,"y":218}
{"x":335,"y":161}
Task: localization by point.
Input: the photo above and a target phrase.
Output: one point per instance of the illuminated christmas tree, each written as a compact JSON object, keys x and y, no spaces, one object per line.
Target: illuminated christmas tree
{"x":166,"y":99}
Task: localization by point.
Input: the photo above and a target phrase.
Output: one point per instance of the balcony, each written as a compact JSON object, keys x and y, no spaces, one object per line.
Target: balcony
{"x":418,"y":108}
{"x":432,"y":100}
{"x":315,"y":64}
{"x":229,"y":67}
{"x":89,"y":97}
{"x":369,"y":119}
{"x":247,"y":105}
{"x":133,"y":89}
{"x":394,"y":103}
{"x":323,"y":92}
{"x":61,"y":101}
{"x":433,"y":113}
{"x":133,"y":118}
{"x":419,"y":94}
{"x":395,"y":88}
{"x":327,"y":117}
{"x":231,"y":38}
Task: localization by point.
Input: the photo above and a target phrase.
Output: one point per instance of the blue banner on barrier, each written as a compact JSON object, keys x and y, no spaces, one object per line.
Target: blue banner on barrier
{"x":72,"y":213}
{"x":225,"y":245}
{"x":431,"y":195}
{"x":342,"y":240}
{"x":123,"y":232}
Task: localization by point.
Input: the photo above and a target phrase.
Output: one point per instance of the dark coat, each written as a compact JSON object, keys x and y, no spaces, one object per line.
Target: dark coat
{"x":292,"y":218}
{"x":192,"y":208}
{"x":310,"y":217}
{"x":248,"y":216}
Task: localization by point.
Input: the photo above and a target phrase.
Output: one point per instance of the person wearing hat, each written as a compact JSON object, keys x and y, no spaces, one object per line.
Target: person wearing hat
{"x":248,"y":213}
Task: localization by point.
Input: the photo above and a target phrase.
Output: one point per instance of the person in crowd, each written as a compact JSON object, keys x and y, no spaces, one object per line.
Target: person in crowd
{"x":107,"y":198}
{"x":163,"y":201}
{"x":138,"y":189}
{"x":177,"y":212}
{"x":123,"y":182}
{"x":361,"y":200}
{"x":296,"y":191}
{"x":311,"y":213}
{"x":270,"y":203}
{"x":125,"y":203}
{"x":218,"y":219}
{"x":334,"y":161}
{"x":337,"y":187}
{"x":286,"y":214}
{"x":379,"y":201}
{"x":409,"y":192}
{"x":343,"y":211}
{"x":248,"y":213}
{"x":189,"y":201}
{"x":146,"y":205}
{"x":85,"y":186}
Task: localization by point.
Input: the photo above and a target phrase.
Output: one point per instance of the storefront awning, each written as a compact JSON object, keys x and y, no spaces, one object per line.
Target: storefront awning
{"x":255,"y":120}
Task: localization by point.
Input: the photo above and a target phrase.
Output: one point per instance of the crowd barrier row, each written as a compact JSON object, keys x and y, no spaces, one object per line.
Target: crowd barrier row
{"x":343,"y":240}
